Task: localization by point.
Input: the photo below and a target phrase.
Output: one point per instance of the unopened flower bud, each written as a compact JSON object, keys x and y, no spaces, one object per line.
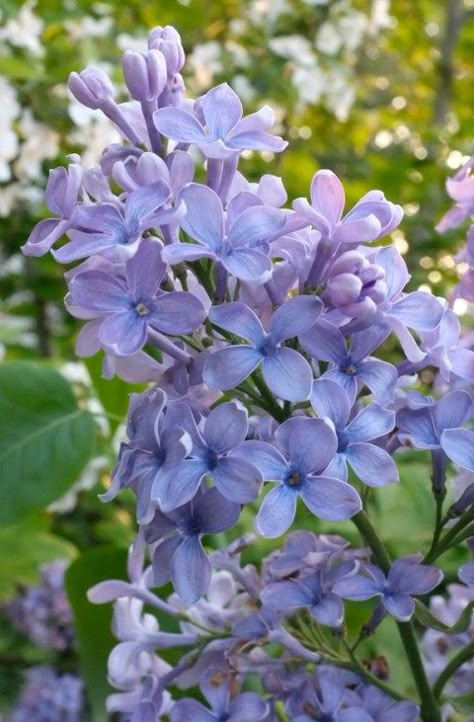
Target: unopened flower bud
{"x":168,"y":41}
{"x":145,"y":74}
{"x":463,"y":503}
{"x":91,"y":87}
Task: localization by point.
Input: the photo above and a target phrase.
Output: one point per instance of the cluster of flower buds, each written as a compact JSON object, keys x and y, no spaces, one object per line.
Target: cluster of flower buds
{"x":256,"y":325}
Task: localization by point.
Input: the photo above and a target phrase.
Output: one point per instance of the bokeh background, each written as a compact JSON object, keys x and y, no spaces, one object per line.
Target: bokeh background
{"x":379,"y":91}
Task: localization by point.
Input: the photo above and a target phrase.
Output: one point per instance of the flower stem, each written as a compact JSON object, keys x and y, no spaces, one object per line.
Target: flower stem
{"x":450,"y":537}
{"x":464,"y":656}
{"x":429,"y":709}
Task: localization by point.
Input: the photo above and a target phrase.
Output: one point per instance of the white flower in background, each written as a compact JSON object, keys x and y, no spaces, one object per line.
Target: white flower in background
{"x":92,"y":132}
{"x":352,"y":28}
{"x":88,"y":27}
{"x":268,"y":11}
{"x":8,"y":151}
{"x":243,"y":87}
{"x":380,"y":17}
{"x":340,"y":93}
{"x":131,"y":42}
{"x":294,"y":47}
{"x":310,"y":84}
{"x":10,"y":105}
{"x":41,"y":143}
{"x":205,"y":61}
{"x":239,"y":54}
{"x":328,"y":39}
{"x":10,"y":195}
{"x":24,"y":31}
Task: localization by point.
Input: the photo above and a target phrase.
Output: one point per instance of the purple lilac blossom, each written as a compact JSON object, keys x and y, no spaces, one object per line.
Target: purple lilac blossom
{"x":50,"y":697}
{"x":303,"y":449}
{"x":372,"y":464}
{"x":406,"y":577}
{"x":285,"y":371}
{"x":133,"y":305}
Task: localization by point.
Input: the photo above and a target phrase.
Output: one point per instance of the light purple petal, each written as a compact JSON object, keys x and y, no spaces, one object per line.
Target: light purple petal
{"x":97,"y":291}
{"x":466,"y":574}
{"x":380,"y":377}
{"x":458,"y":444}
{"x":347,"y":381}
{"x":176,"y":313}
{"x":400,"y":606}
{"x":364,"y":342}
{"x":226,"y":427}
{"x":294,"y":317}
{"x":237,"y":479}
{"x":222,"y":110}
{"x":179,"y":125}
{"x":179,"y":252}
{"x":310,"y":444}
{"x":173,"y":491}
{"x":247,"y":707}
{"x":357,"y":587}
{"x":288,"y":375}
{"x":462,"y":363}
{"x":123,"y":333}
{"x":238,"y":319}
{"x":417,"y":426}
{"x":327,"y":195}
{"x":229,"y":366}
{"x":185,"y":710}
{"x":144,"y":201}
{"x":277,"y":512}
{"x":286,"y":595}
{"x":371,"y":423}
{"x":396,"y":273}
{"x":43,"y":236}
{"x":418,"y":310}
{"x":204,"y":219}
{"x":360,"y":230}
{"x":190,"y":570}
{"x":162,"y":556}
{"x":256,"y":140}
{"x":266,"y":458}
{"x":324,"y":342}
{"x":373,"y":465}
{"x":407,"y":342}
{"x":214,"y":513}
{"x":330,"y":499}
{"x":408,"y":576}
{"x":144,"y":271}
{"x":248,"y":265}
{"x":329,"y":610}
{"x":453,"y":410}
{"x":254,"y":225}
{"x":330,"y":400}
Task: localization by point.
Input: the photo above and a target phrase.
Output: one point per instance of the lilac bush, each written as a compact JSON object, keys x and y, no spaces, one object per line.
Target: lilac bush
{"x":262,"y":330}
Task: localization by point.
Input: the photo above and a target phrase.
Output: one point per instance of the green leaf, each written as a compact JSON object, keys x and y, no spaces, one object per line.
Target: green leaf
{"x":45,"y":438}
{"x":427,"y":619}
{"x":463,"y":703}
{"x":22,"y":548}
{"x":92,"y":622}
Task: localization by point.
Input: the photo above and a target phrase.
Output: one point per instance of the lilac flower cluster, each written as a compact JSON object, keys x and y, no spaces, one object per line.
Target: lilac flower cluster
{"x":50,"y":697}
{"x":42,"y":611}
{"x":258,"y":327}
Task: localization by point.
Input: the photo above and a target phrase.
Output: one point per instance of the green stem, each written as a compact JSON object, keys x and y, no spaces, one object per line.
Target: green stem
{"x":440,"y":522}
{"x":429,"y":709}
{"x":270,"y":404}
{"x":449,"y":538}
{"x":369,"y":677}
{"x":464,"y":656}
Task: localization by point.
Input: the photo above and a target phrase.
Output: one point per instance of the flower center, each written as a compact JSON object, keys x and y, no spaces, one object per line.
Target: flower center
{"x":142,"y":310}
{"x":294,"y":478}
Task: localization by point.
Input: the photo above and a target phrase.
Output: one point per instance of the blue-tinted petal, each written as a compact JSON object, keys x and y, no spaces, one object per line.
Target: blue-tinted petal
{"x":190,"y":570}
{"x":294,"y":317}
{"x":329,"y":610}
{"x":357,"y":587}
{"x":286,"y":595}
{"x":222,"y":110}
{"x":204,"y":219}
{"x":330,"y":499}
{"x":371,"y":423}
{"x":179,"y":125}
{"x":327,"y":195}
{"x":277,"y":512}
{"x":417,"y":426}
{"x":248,"y":264}
{"x":330,"y":400}
{"x":123,"y":333}
{"x":400,"y":606}
{"x":176,"y":313}
{"x":229,"y":366}
{"x":408,"y":576}
{"x":418,"y":310}
{"x":453,"y":410}
{"x":373,"y":465}
{"x":185,"y":710}
{"x":239,"y":319}
{"x":266,"y":458}
{"x":213,"y":513}
{"x":310,"y":444}
{"x":254,"y":225}
{"x":162,"y":556}
{"x":247,"y":707}
{"x":175,"y":490}
{"x":466,"y":574}
{"x":237,"y":479}
{"x":226,"y":427}
{"x":288,"y":375}
{"x":324,"y":342}
{"x":381,"y":378}
{"x":458,"y":444}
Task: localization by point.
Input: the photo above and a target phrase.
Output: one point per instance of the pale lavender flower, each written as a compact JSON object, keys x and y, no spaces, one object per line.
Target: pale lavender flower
{"x":285,"y":371}
{"x":217,"y":127}
{"x":303,"y":449}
